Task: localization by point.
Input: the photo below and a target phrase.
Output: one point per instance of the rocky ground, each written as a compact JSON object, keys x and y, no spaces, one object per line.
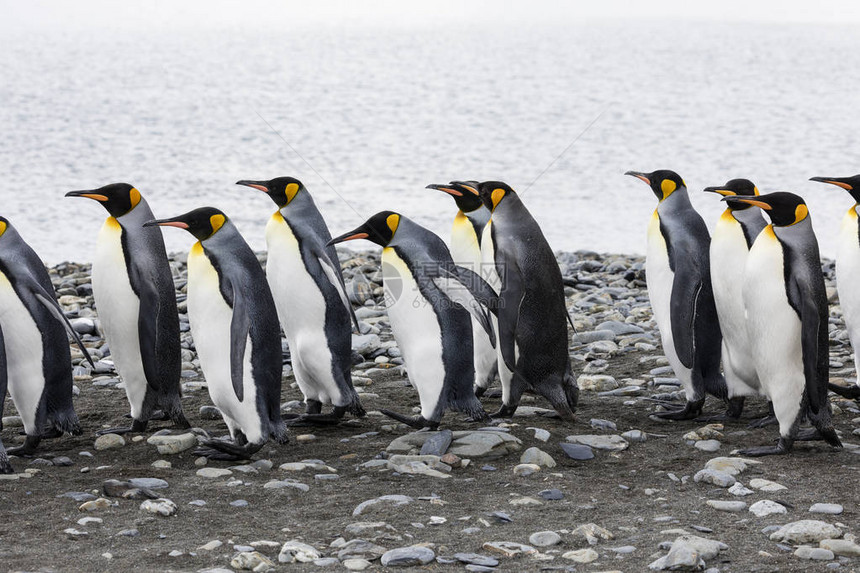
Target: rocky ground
{"x":616,"y":491}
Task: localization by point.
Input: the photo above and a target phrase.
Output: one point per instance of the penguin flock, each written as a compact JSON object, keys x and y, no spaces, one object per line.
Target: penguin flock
{"x":742,"y":313}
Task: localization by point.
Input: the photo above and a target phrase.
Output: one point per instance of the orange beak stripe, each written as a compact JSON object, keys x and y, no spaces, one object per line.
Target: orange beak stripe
{"x":761,"y":204}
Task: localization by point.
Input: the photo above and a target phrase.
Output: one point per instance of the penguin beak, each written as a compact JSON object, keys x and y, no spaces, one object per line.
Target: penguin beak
{"x":720,"y":190}
{"x":463,"y":186}
{"x":638,"y":175}
{"x":449,"y":189}
{"x":834,"y":181}
{"x":88,"y":194}
{"x":735,"y":199}
{"x":259,"y":185}
{"x":174,"y":222}
{"x":359,"y":233}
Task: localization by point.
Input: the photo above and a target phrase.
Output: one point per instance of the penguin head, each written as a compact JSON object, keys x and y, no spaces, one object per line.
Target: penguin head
{"x":736,"y":187}
{"x":281,"y":190}
{"x":117,"y":198}
{"x":663,"y":182}
{"x":202,"y":222}
{"x":784,"y":209}
{"x":492,"y":193}
{"x":467,"y":201}
{"x":850,"y":184}
{"x":379,"y":229}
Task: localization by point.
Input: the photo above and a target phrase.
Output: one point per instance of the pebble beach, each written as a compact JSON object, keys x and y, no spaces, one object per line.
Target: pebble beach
{"x":616,"y":491}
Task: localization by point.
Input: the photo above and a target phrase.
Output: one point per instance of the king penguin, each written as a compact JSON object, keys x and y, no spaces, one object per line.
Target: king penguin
{"x":786,"y":307}
{"x":532,"y":315}
{"x":305,"y":278}
{"x":737,"y":228}
{"x":35,"y":362}
{"x":136,"y":301}
{"x":234,"y":324}
{"x":677,"y":269}
{"x":429,"y":300}
{"x":848,"y":273}
{"x":466,"y":233}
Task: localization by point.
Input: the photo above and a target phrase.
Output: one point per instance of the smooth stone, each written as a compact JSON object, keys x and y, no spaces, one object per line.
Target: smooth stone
{"x":842,"y":547}
{"x":73,"y":533}
{"x":538,"y":457}
{"x":252,"y":561}
{"x":295,"y":551}
{"x":689,"y":552}
{"x":509,"y":548}
{"x":160,"y":506}
{"x":239,"y":503}
{"x":610,"y":442}
{"x":540,"y":434}
{"x":210,"y":546}
{"x":739,"y":490}
{"x":128,"y":533}
{"x":708,"y":445}
{"x":94,"y":505}
{"x":385,"y":500}
{"x":814,"y":553}
{"x":714,"y":477}
{"x":828,"y":508}
{"x":766,"y":485}
{"x":545,"y":538}
{"x":438,"y":443}
{"x":551,"y":494}
{"x":162,"y":464}
{"x":360,"y":528}
{"x":356,"y":564}
{"x":637,"y":436}
{"x":596,"y":383}
{"x":721,"y":505}
{"x":168,"y":445}
{"x":488,"y":444}
{"x":360,"y":549}
{"x":731,"y":466}
{"x":767,"y":507}
{"x":805,"y":531}
{"x":109,"y":442}
{"x":524,"y":470}
{"x":581,"y":555}
{"x":213,"y":472}
{"x":413,"y":556}
{"x":89,"y":520}
{"x":476,"y":559}
{"x":148,"y":483}
{"x":210,"y":413}
{"x":577,"y":451}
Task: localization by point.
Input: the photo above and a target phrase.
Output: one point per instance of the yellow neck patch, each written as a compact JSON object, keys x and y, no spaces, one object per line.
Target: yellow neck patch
{"x":768,"y":232}
{"x":196,"y":249}
{"x":800,"y":213}
{"x":134,"y":197}
{"x":2,"y":227}
{"x":496,"y":196}
{"x":291,"y":191}
{"x":217,"y":221}
{"x":393,"y":221}
{"x":667,"y":186}
{"x":755,"y":190}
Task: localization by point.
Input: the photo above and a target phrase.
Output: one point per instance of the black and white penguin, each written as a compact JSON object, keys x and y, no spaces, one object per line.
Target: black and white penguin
{"x":234,"y":324}
{"x":532,"y":316}
{"x":305,"y":278}
{"x":737,"y":228}
{"x":677,"y":268}
{"x":848,"y":273}
{"x":466,"y":233}
{"x":136,"y":301}
{"x":786,"y":308}
{"x":429,"y":300}
{"x":35,"y":362}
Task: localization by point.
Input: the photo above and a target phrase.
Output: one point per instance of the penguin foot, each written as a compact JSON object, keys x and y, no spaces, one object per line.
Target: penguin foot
{"x":851,"y":392}
{"x":781,"y":448}
{"x":226,"y":450}
{"x":506,"y":411}
{"x":313,"y":420}
{"x":417,"y":422}
{"x":137,"y":426}
{"x":762,"y":422}
{"x":827,"y":434}
{"x":51,"y":433}
{"x":690,"y":411}
{"x":27,"y":449}
{"x":734,"y":408}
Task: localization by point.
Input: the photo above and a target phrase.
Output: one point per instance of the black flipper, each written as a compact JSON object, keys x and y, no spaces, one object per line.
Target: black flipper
{"x":147,"y":330}
{"x":810,"y":323}
{"x":331,"y":270}
{"x":240,"y":327}
{"x":468,"y":290}
{"x":54,"y":308}
{"x":685,"y":293}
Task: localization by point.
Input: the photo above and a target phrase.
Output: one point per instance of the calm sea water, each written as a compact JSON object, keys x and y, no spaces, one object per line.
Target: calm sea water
{"x":377,"y":113}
